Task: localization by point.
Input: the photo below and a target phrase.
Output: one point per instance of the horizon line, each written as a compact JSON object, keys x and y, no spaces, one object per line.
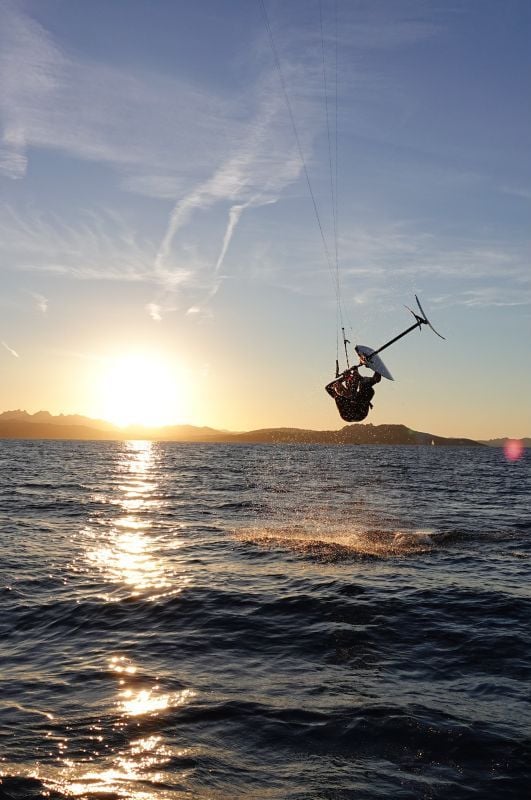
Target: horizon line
{"x":139,"y":427}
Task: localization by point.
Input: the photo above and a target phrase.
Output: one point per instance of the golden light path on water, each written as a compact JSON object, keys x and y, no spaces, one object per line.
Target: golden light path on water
{"x":127,"y":551}
{"x":124,"y":549}
{"x":124,"y":773}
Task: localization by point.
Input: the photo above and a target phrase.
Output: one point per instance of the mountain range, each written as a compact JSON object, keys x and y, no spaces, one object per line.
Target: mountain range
{"x":43,"y":425}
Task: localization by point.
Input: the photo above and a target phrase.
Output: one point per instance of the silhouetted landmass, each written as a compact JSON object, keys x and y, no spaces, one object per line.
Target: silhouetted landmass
{"x":349,"y":434}
{"x":42,"y":425}
{"x":525,"y":442}
{"x":61,"y":419}
{"x":41,"y":430}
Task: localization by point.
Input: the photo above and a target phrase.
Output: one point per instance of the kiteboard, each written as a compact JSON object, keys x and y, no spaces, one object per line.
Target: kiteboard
{"x":370,"y":359}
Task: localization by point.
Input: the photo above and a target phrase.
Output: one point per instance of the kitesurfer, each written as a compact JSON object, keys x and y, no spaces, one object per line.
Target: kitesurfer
{"x":353,"y":394}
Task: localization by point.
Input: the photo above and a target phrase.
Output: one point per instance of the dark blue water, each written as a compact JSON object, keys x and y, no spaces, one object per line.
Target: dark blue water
{"x":266,"y":622}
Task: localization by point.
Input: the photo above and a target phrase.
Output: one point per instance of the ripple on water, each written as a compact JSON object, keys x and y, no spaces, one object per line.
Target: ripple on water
{"x":288,"y":623}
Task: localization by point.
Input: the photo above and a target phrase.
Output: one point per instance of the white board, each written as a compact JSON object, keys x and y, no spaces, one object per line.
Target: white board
{"x":373,"y":362}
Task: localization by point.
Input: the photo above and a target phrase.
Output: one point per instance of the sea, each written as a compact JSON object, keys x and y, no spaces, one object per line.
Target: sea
{"x":214,"y":622}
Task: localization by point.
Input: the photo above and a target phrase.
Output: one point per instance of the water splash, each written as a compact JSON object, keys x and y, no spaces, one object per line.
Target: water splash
{"x":339,"y":541}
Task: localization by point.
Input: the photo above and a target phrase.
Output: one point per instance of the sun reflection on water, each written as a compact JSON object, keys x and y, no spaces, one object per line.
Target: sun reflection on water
{"x":148,"y":701}
{"x":129,"y":549}
{"x":128,"y":559}
{"x":135,"y":702}
{"x":149,"y":754}
{"x":126,"y":772}
{"x":129,"y":546}
{"x":142,"y":454}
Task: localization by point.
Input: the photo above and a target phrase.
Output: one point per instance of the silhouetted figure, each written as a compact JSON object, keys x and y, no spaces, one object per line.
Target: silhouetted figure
{"x":353,"y":394}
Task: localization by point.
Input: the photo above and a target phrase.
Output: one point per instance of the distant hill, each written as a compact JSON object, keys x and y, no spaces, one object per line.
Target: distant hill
{"x":349,"y":434}
{"x":46,"y":418}
{"x":526,"y":442}
{"x":42,"y":425}
{"x":15,"y":429}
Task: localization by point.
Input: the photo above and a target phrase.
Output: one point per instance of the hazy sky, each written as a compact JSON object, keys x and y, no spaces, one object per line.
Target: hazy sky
{"x":159,"y":244}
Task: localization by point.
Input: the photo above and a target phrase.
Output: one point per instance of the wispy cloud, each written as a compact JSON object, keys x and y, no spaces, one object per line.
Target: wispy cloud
{"x":235,"y":213}
{"x":41,"y":301}
{"x":13,"y":161}
{"x":387,"y":261}
{"x":158,"y":133}
{"x":161,"y":134}
{"x":234,"y":217}
{"x":390,"y":33}
{"x":494,"y":296}
{"x":97,"y":247}
{"x":517,"y":191}
{"x":404,"y":249}
{"x":261,"y":161}
{"x":154,"y":311}
{"x":10,"y":350}
{"x":162,"y":137}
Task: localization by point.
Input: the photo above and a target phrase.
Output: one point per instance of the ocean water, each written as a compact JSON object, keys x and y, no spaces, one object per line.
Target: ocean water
{"x":266,"y":622}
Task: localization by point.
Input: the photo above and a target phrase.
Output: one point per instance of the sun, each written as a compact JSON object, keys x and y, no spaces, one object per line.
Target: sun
{"x":140,"y":389}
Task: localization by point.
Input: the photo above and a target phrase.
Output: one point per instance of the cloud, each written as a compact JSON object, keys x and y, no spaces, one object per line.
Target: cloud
{"x":159,"y":133}
{"x":234,"y":217}
{"x":385,"y":34}
{"x":41,"y":301}
{"x":262,"y":160}
{"x":13,"y":161}
{"x":494,"y":296}
{"x":167,"y":136}
{"x":260,"y":163}
{"x":98,"y":247}
{"x":10,"y":350}
{"x":386,"y":261}
{"x":375,"y":261}
{"x":235,"y":213}
{"x":154,"y":311}
{"x":215,"y":155}
{"x":162,"y":138}
{"x":517,"y":191}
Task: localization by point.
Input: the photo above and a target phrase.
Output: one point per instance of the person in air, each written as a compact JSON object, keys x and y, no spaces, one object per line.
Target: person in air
{"x":353,"y":394}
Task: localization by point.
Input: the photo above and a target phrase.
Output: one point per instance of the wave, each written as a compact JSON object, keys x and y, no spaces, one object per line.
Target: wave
{"x":343,"y":623}
{"x":306,"y":753}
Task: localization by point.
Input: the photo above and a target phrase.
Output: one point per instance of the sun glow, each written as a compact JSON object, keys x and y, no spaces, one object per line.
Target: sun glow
{"x":140,"y":390}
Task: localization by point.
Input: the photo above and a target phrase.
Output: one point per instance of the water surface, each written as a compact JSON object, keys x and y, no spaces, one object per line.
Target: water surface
{"x":266,"y":622}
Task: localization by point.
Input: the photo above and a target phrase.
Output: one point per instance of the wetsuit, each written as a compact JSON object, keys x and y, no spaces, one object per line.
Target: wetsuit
{"x":354,"y":402}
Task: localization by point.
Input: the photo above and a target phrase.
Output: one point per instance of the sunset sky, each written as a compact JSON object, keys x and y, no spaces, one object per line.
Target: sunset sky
{"x":161,"y":259}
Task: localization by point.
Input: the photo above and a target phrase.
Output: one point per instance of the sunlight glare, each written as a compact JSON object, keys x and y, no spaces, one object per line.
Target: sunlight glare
{"x":138,"y":389}
{"x":513,"y":449}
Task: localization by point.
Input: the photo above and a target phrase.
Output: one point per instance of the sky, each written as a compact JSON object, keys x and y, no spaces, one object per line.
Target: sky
{"x":186,"y":188}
